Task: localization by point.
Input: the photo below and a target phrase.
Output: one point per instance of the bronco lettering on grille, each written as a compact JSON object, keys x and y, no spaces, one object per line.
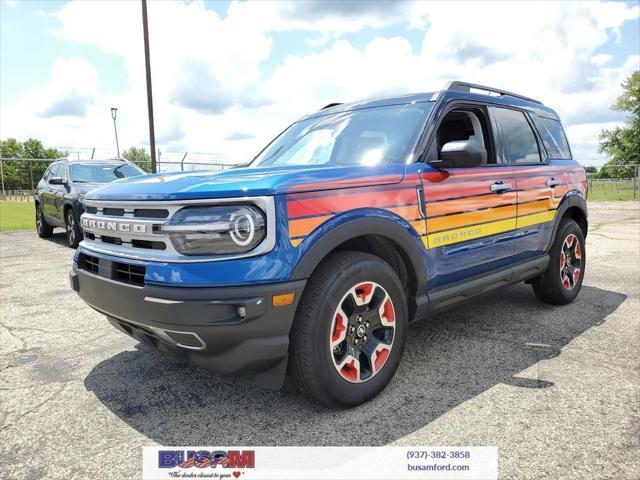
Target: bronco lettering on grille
{"x":114,"y":226}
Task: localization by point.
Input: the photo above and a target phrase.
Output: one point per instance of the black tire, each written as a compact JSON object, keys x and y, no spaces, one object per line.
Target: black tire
{"x":313,"y":358}
{"x":74,"y":235}
{"x":43,"y":229}
{"x":562,"y":281}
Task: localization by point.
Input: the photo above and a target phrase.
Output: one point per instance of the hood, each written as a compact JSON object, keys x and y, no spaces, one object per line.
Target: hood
{"x":242,"y":182}
{"x":84,"y":188}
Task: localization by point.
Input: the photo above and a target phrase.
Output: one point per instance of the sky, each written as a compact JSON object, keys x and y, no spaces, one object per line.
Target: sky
{"x":229,"y":76}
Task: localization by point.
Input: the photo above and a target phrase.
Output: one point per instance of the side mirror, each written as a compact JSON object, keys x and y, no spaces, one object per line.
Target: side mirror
{"x":56,"y":181}
{"x":462,"y":154}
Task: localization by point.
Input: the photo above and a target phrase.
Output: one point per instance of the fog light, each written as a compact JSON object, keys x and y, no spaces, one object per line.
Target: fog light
{"x":283,"y":299}
{"x":242,"y":311}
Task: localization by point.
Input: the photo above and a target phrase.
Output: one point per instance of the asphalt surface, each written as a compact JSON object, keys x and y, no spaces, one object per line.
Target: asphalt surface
{"x":555,"y":388}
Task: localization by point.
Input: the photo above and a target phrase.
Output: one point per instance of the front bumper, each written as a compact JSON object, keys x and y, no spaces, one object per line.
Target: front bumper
{"x":231,"y":330}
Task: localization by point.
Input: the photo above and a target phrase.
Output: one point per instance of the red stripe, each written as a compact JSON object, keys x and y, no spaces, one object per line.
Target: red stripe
{"x":332,"y":184}
{"x":339,"y":203}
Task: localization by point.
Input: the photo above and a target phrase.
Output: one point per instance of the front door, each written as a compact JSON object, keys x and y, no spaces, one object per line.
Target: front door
{"x":48,"y":192}
{"x":471,"y":212}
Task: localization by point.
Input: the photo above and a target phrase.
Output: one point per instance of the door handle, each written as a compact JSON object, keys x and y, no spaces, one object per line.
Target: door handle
{"x":500,"y":187}
{"x":553,"y":182}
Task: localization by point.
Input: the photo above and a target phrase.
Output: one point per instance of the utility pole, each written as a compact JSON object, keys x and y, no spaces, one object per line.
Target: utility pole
{"x":114,"y":114}
{"x":147,"y":63}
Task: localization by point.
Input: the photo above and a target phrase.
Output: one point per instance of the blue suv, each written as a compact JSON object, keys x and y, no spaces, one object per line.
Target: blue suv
{"x":355,"y":221}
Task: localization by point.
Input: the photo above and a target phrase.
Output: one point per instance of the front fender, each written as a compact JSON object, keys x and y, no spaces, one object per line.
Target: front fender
{"x":358,"y":223}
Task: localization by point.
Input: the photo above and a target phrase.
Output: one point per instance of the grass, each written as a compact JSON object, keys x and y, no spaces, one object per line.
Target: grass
{"x":17,"y":215}
{"x":612,"y":191}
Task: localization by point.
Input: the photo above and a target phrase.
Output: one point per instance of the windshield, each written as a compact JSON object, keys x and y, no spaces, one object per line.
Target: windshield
{"x":360,"y":137}
{"x":101,"y":172}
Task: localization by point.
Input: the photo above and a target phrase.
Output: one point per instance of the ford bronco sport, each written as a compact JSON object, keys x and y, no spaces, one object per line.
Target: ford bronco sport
{"x":355,"y":221}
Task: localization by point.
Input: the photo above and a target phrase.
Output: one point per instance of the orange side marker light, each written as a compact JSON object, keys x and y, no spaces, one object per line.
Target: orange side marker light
{"x":283,"y":299}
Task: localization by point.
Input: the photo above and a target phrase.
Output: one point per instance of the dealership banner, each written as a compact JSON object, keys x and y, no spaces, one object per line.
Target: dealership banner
{"x":320,"y":463}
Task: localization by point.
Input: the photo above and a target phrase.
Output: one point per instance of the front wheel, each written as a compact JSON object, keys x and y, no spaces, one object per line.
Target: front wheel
{"x":74,"y":235}
{"x":562,"y":281}
{"x":350,"y":329}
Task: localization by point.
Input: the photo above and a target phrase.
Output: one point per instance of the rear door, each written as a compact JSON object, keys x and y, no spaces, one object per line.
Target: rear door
{"x":471,"y":212}
{"x":540,"y":183}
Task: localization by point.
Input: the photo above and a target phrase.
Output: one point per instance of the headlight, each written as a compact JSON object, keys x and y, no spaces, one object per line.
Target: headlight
{"x":216,"y":230}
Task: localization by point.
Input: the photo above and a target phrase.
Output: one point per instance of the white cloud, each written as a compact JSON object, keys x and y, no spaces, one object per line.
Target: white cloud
{"x":211,"y":92}
{"x":70,"y":90}
{"x":11,"y":3}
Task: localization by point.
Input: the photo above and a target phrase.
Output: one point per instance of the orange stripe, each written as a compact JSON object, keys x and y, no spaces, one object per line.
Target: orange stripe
{"x":471,"y":218}
{"x":304,"y":226}
{"x":409,"y":212}
{"x":420,"y":227}
{"x":535,"y":207}
{"x":469,"y":204}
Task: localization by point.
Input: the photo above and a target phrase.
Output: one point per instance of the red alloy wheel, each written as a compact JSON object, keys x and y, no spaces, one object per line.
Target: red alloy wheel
{"x":570,"y":262}
{"x":362,"y":332}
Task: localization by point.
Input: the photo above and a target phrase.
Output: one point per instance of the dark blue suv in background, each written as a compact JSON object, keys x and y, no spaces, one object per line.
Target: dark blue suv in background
{"x":59,"y":196}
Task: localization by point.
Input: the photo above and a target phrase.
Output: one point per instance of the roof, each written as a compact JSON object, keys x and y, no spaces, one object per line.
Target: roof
{"x":96,"y":161}
{"x":453,"y":90}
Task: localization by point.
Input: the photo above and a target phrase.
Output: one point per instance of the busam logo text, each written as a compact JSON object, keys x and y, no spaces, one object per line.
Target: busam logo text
{"x":206,"y":459}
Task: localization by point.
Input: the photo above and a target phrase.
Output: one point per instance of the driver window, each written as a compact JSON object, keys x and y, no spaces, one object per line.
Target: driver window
{"x":465,"y":124}
{"x":53,"y":172}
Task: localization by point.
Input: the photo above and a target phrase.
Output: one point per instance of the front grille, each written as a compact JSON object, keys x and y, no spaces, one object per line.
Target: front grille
{"x":113,"y":212}
{"x":133,"y":229}
{"x":127,"y":273}
{"x":118,"y":271}
{"x":150,"y":213}
{"x":149,"y":244}
{"x":89,"y":263}
{"x":128,"y":240}
{"x":111,"y":240}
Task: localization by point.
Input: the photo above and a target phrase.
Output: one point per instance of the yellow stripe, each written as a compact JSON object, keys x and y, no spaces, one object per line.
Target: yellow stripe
{"x":459,"y":235}
{"x":461,"y":220}
{"x":295,"y":242}
{"x":536,"y":218}
{"x":468,"y":233}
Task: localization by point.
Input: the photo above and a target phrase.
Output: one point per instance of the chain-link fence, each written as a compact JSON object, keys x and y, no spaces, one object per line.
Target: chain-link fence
{"x":19,"y":179}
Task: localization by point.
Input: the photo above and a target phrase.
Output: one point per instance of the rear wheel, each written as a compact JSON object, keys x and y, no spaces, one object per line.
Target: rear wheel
{"x":74,"y":235}
{"x":562,"y":281}
{"x":350,"y":329}
{"x":42,"y":227}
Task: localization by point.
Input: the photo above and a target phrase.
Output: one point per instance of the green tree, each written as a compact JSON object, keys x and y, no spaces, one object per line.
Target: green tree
{"x":139,"y":156}
{"x":20,"y":174}
{"x":622,"y":144}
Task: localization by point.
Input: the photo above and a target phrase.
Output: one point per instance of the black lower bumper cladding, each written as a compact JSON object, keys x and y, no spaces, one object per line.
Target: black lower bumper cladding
{"x":231,"y":330}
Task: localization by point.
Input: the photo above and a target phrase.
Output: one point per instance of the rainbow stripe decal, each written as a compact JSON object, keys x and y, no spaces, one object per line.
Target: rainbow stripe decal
{"x":459,"y":204}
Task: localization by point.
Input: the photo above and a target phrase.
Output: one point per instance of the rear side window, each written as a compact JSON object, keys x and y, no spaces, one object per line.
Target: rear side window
{"x":553,"y":137}
{"x":518,"y":140}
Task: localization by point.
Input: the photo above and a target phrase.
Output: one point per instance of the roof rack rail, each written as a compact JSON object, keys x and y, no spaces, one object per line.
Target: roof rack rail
{"x":466,"y":87}
{"x":330,"y":105}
